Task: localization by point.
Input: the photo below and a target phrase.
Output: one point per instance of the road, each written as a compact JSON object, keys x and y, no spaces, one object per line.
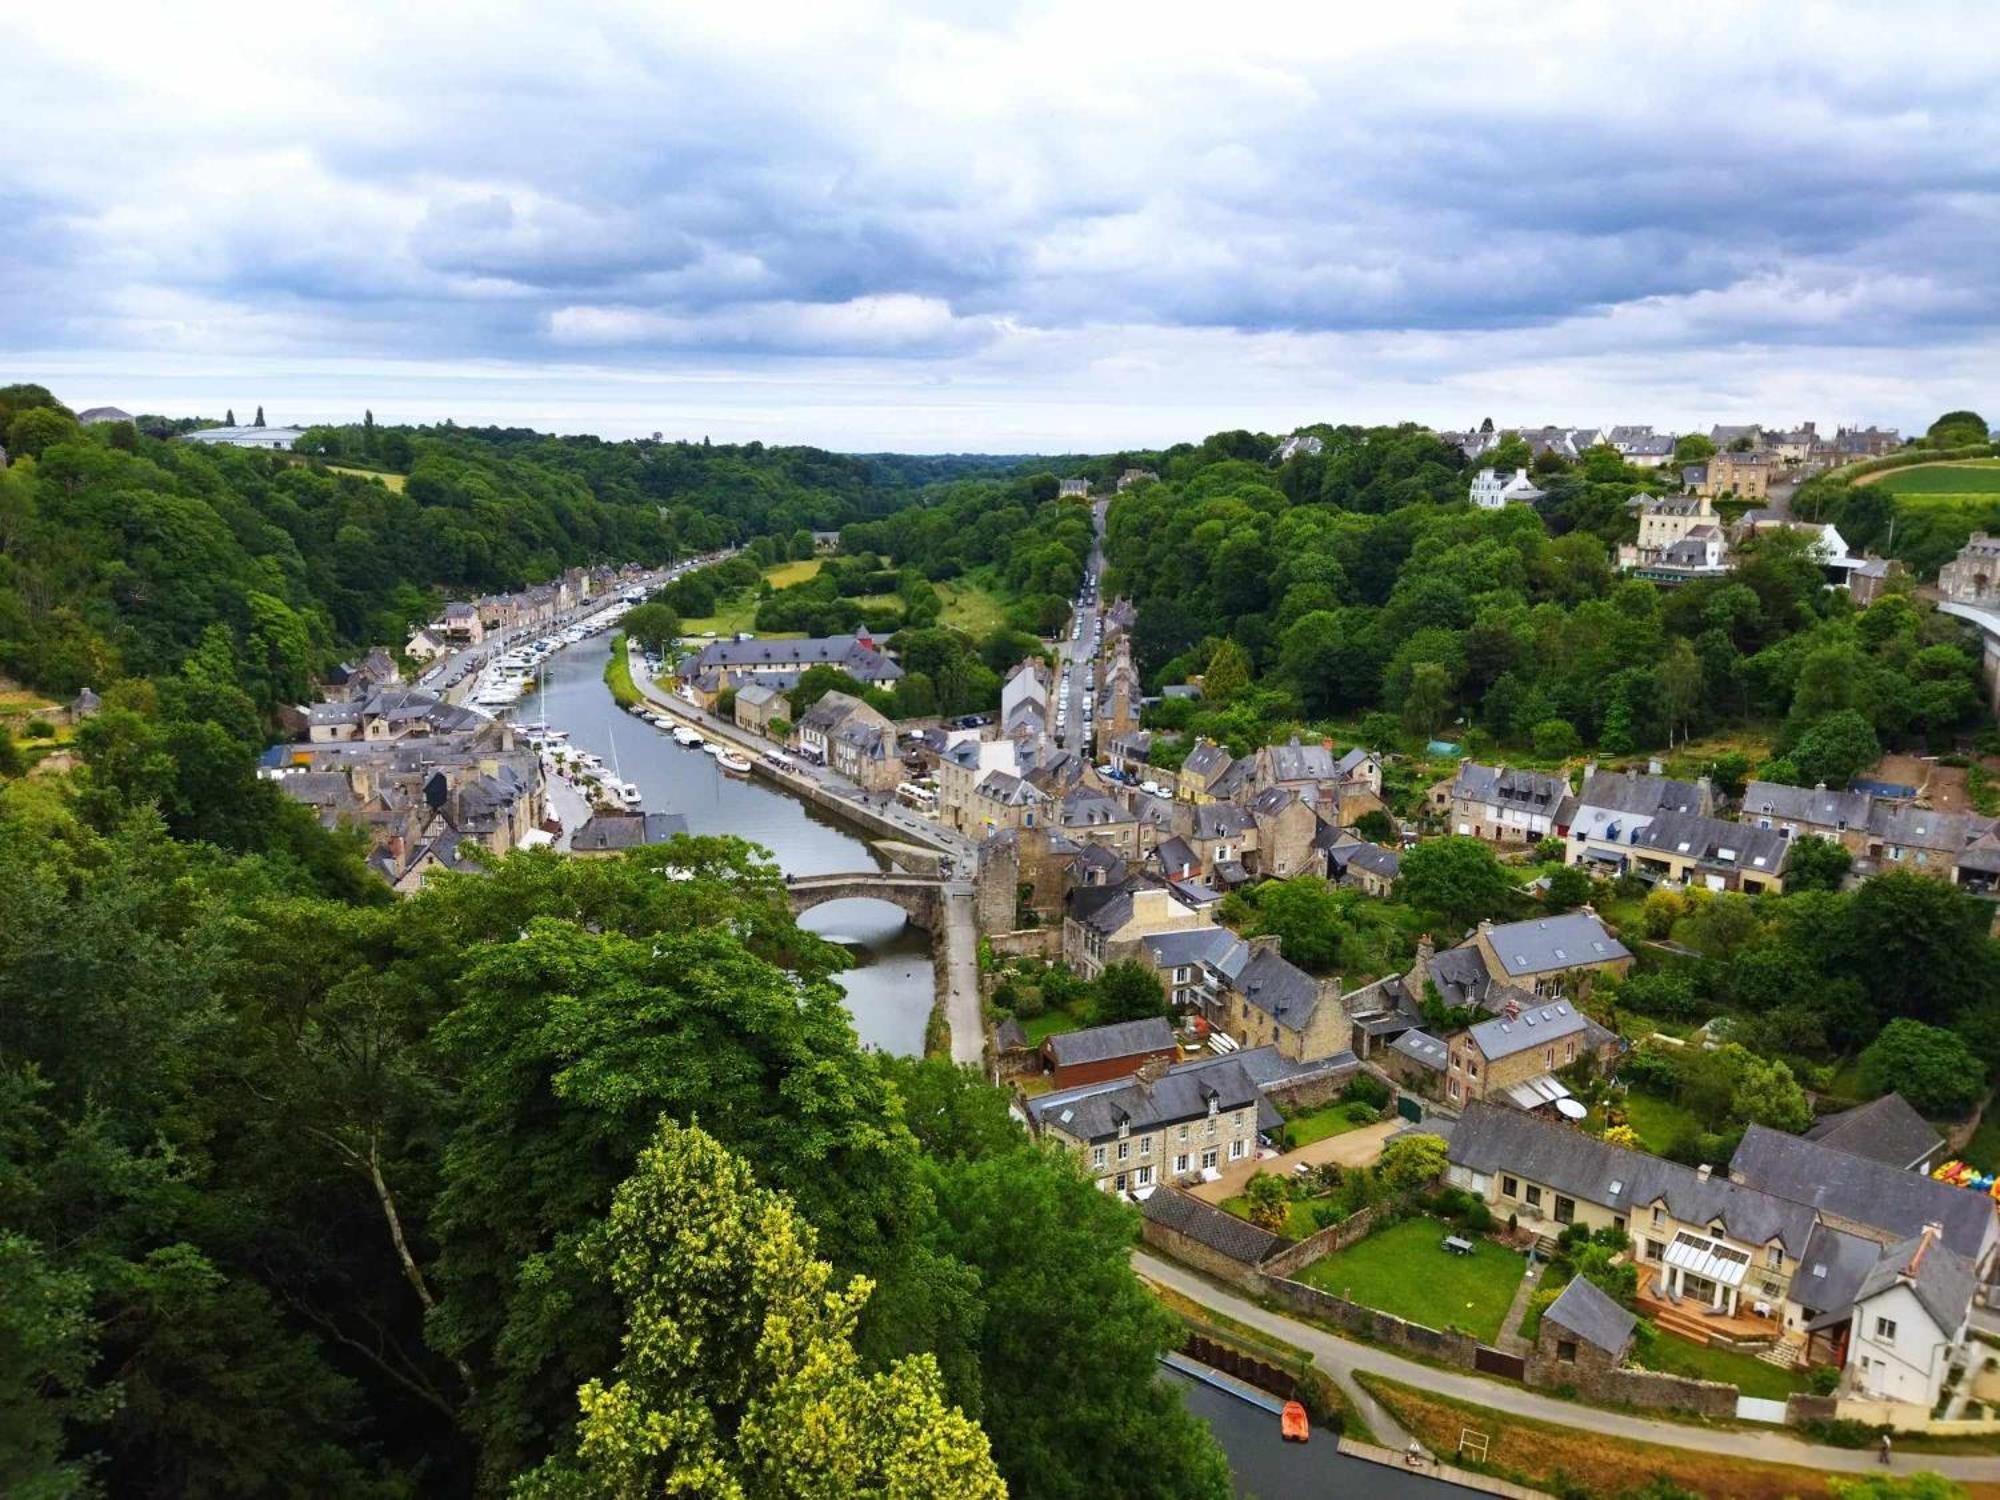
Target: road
{"x":1340,"y":1358}
{"x":1077,"y":650}
{"x":961,"y":976}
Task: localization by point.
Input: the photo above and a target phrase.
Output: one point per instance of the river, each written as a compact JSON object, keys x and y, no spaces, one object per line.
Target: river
{"x":1267,"y":1467}
{"x":891,"y":989}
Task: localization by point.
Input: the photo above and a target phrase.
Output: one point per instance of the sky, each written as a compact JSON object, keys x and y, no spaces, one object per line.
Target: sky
{"x":1004,"y":228}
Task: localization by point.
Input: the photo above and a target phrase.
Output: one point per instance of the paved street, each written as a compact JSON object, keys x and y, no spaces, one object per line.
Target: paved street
{"x":1340,"y":1358}
{"x":1080,"y":653}
{"x":961,"y":976}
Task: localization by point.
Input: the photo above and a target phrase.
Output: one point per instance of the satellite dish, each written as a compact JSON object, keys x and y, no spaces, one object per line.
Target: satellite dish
{"x":1569,"y":1109}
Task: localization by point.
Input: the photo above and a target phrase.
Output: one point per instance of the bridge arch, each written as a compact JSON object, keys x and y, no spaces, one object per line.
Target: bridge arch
{"x":920,"y":898}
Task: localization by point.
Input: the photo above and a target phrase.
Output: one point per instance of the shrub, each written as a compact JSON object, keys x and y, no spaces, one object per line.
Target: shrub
{"x":1478,"y":1217}
{"x":1824,"y":1379}
{"x":1843,"y":1432}
{"x":1611,"y":1238}
{"x":1366,"y":1088}
{"x":38,"y":729}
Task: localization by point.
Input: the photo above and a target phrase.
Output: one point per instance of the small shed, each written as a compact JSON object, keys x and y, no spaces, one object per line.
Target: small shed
{"x":1585,"y":1327}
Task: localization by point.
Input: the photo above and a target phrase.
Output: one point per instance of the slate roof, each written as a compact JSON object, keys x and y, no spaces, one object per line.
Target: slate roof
{"x":1008,"y":1036}
{"x":853,"y":654}
{"x":1297,"y":762}
{"x":1830,"y":1273}
{"x":1206,"y":759}
{"x":1094,"y":1112}
{"x":1220,"y":820}
{"x":1491,"y":1138}
{"x":1814,"y":805}
{"x":1925,"y":827}
{"x":1272,"y":801}
{"x":1422,"y":1048}
{"x":1610,"y":798}
{"x":830,"y":711}
{"x":1278,"y":987}
{"x":1461,"y":977}
{"x":1542,"y":944}
{"x":626,"y":830}
{"x":755,"y":695}
{"x":1885,"y":1130}
{"x":1509,"y":786}
{"x":1942,"y":1281}
{"x":1717,"y":842}
{"x":1176,"y":855}
{"x":1846,"y":1186}
{"x":1209,"y":945}
{"x":1208,"y":1225}
{"x":1535,"y":1026}
{"x":1584,"y":1310}
{"x":1376,"y":860}
{"x":1095,"y":1044}
{"x":1081,"y":809}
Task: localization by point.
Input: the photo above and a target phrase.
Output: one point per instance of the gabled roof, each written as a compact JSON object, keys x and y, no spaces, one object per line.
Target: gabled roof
{"x":1208,"y":1225}
{"x":1103,"y":1043}
{"x":1298,"y":762}
{"x":1096,"y":1111}
{"x":1220,"y":820}
{"x":1885,"y":1130}
{"x":1422,"y":1048}
{"x":1815,"y":805}
{"x":1376,"y":860}
{"x":1584,"y":1310}
{"x":1509,"y":786}
{"x":1942,"y":1281}
{"x":1543,"y":945}
{"x":1279,"y":988}
{"x":1209,"y":945}
{"x":1852,"y":1187}
{"x":1641,"y":795}
{"x":621,"y":830}
{"x":1717,"y":842}
{"x":1535,"y":1026}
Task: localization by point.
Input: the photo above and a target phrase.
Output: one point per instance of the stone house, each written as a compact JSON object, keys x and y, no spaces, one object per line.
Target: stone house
{"x":1247,"y":989}
{"x":1106,"y":925}
{"x":604,"y":834}
{"x":1504,"y":805}
{"x":1973,"y":577}
{"x":1612,"y":806}
{"x":1550,"y":956}
{"x":1583,"y":1331}
{"x":1004,"y":801}
{"x":1688,"y":849}
{"x":1960,"y":847}
{"x":1799,"y":812}
{"x":1225,"y":840}
{"x":1092,"y":818}
{"x":813,"y":732}
{"x":1745,"y":475}
{"x":1872,"y":577}
{"x":1513,"y":1057}
{"x":1204,"y":766}
{"x":865,"y":752}
{"x":460,"y":625}
{"x":1286,"y":827}
{"x":757,"y":705}
{"x":1097,"y":1053}
{"x":1161,"y":1126}
{"x":1885,"y":1130}
{"x":962,"y":766}
{"x":1369,"y":868}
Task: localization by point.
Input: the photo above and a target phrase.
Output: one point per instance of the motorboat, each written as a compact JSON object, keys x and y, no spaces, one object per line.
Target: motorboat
{"x":710,"y":747}
{"x":734,"y":764}
{"x":629,"y":794}
{"x":686,"y":737}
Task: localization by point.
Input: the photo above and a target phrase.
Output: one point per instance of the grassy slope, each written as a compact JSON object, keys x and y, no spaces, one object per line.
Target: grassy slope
{"x":740,"y":612}
{"x":1965,"y":476}
{"x":1401,"y":1270}
{"x":971,"y":607}
{"x":395,"y":482}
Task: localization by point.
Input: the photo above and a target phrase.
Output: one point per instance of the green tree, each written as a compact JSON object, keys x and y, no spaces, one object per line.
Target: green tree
{"x":1428,"y":699}
{"x":655,"y":626}
{"x":1816,"y":864}
{"x":1269,"y":1202}
{"x":1693,"y":448}
{"x":1568,"y":889}
{"x":1679,"y":685}
{"x":1919,"y":946}
{"x":1958,"y":429}
{"x":260,"y":418}
{"x":1127,"y":991}
{"x":1228,"y":672}
{"x":38,"y":429}
{"x":1556,"y":739}
{"x":1929,"y":1066}
{"x":47,"y":1350}
{"x":739,"y":1376}
{"x":1835,"y":748}
{"x":1411,"y":1161}
{"x":1457,"y":878}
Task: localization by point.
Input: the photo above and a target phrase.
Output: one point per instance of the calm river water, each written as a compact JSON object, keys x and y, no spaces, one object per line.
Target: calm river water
{"x":1267,"y":1467}
{"x":889,"y":993}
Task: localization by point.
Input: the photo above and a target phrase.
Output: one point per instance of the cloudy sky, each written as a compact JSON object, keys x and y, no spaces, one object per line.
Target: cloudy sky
{"x":1004,"y":228}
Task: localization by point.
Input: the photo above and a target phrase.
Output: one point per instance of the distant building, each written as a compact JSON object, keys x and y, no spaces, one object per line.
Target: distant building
{"x":246,"y":437}
{"x":1073,"y":489}
{"x":1492,"y":490}
{"x":1745,"y":475}
{"x":1298,"y":443}
{"x":1680,"y":537}
{"x":1973,"y":577}
{"x":607,"y":833}
{"x":93,"y":415}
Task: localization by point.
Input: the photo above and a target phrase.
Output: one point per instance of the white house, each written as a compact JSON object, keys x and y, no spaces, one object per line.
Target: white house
{"x":246,"y":437}
{"x":1491,"y":492}
{"x":1910,"y":1319}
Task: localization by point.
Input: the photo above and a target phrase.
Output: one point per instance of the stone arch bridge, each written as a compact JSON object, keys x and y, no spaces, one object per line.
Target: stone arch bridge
{"x":920,"y":896}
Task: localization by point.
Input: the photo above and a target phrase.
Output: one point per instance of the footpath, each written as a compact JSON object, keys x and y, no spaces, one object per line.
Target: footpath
{"x":1341,"y":1358}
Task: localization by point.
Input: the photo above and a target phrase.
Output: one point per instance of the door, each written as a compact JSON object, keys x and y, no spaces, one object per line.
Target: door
{"x":1410,"y":1108}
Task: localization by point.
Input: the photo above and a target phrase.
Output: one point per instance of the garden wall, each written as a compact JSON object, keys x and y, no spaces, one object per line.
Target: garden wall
{"x":1027,"y":942}
{"x":1349,"y":1231}
{"x":1309,"y":1093}
{"x":1377,"y":1327}
{"x":1192,"y":1252}
{"x":1648,"y":1390}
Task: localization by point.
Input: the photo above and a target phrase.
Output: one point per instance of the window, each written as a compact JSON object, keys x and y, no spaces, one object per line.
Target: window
{"x":1885,"y":1328}
{"x":1124,"y":1149}
{"x":1208,"y":1160}
{"x":1145,"y":1176}
{"x":1655,"y":1249}
{"x":1566,"y":1351}
{"x":1565,"y":1209}
{"x":1534,"y":1196}
{"x":1121,"y":1182}
{"x":1569,"y":1050}
{"x":1659,"y":1217}
{"x":1472,"y":1067}
{"x":1211,"y":1127}
{"x":1451,"y":1088}
{"x":1236,"y":1149}
{"x":1181,"y":974}
{"x":1180,"y":1163}
{"x":1510,"y":1187}
{"x":1184,"y":1135}
{"x":1549,"y":1057}
{"x":1097,"y":1156}
{"x":1146,"y":1146}
{"x":1618,"y":1222}
{"x":1777,"y":1258}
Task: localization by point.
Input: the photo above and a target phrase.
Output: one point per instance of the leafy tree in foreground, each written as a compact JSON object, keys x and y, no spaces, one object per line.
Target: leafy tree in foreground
{"x":739,"y":1376}
{"x":653,"y":625}
{"x":1930,"y":1067}
{"x":1816,"y":864}
{"x":1128,"y":992}
{"x":1269,"y":1204}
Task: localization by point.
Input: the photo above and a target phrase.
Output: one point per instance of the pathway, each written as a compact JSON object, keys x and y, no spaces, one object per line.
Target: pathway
{"x":1509,"y":1337}
{"x":1341,"y":1358}
{"x":1351,"y":1148}
{"x":961,"y":976}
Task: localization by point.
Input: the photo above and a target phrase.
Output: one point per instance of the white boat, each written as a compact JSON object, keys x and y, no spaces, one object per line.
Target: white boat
{"x":733,"y":763}
{"x":629,"y":794}
{"x":711,"y":748}
{"x":686,"y":737}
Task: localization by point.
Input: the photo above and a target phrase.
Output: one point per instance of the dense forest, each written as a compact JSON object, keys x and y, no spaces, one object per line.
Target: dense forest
{"x":1357,"y":580}
{"x":305,"y":1191}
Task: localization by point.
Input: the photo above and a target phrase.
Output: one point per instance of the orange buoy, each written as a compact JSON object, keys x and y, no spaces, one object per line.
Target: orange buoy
{"x":1292,"y":1422}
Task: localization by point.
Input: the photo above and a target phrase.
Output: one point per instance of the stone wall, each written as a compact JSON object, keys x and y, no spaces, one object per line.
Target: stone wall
{"x":1191,"y":1252}
{"x":1310,"y":1093}
{"x":1801,"y":1408}
{"x":1349,"y":1231}
{"x":1027,"y":942}
{"x":1648,"y":1390}
{"x":1377,"y":1327}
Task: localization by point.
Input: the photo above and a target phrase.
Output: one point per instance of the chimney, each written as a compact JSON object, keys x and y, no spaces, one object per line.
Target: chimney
{"x":1513,"y":1009}
{"x":1701,"y":1172}
{"x":1152,"y":1070}
{"x":1426,"y":951}
{"x":1924,"y":1242}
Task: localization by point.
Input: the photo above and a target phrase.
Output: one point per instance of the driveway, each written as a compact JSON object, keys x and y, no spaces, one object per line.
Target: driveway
{"x":1340,"y":1358}
{"x":1353,"y":1148}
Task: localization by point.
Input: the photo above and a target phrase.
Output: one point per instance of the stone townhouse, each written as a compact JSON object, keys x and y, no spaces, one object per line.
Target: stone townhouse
{"x":1513,"y":1057}
{"x":1504,"y":804}
{"x":1287,"y":828}
{"x":757,"y":706}
{"x":607,"y":833}
{"x":1182,"y":960}
{"x":1262,"y":1000}
{"x":1973,"y":577}
{"x":1368,"y":868}
{"x":865,"y":753}
{"x":1339,"y":789}
{"x":813,"y":733}
{"x":1550,"y":956}
{"x":1745,"y":475}
{"x":1816,"y":812}
{"x":1789,"y":1246}
{"x":1159,"y":1126}
{"x":1004,"y":801}
{"x":459,"y":625}
{"x":1689,"y":849}
{"x":1119,"y":698}
{"x":1224,"y":838}
{"x":1026,"y":688}
{"x":783,"y":661}
{"x":1092,"y":818}
{"x":963,"y":765}
{"x":1962,"y":848}
{"x":1106,"y":925}
{"x":1204,"y":766}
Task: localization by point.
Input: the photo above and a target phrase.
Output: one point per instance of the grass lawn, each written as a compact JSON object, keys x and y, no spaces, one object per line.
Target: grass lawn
{"x":1401,"y":1270}
{"x":1658,"y":1121}
{"x":1537,"y":1453}
{"x":394,"y":481}
{"x":784,"y":575}
{"x":971,"y":606}
{"x":740,"y":612}
{"x":1317,"y":1124}
{"x":1746,"y":1372}
{"x":1964,"y":476}
{"x":1299,"y":1221}
{"x":1049,"y":1023}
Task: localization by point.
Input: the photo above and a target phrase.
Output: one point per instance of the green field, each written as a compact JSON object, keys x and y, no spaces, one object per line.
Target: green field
{"x":1659,"y":1122}
{"x":740,"y":613}
{"x":1317,"y":1124}
{"x":1403,"y":1271}
{"x":971,"y":607}
{"x":1971,"y":476}
{"x":394,"y":481}
{"x":1049,"y":1023}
